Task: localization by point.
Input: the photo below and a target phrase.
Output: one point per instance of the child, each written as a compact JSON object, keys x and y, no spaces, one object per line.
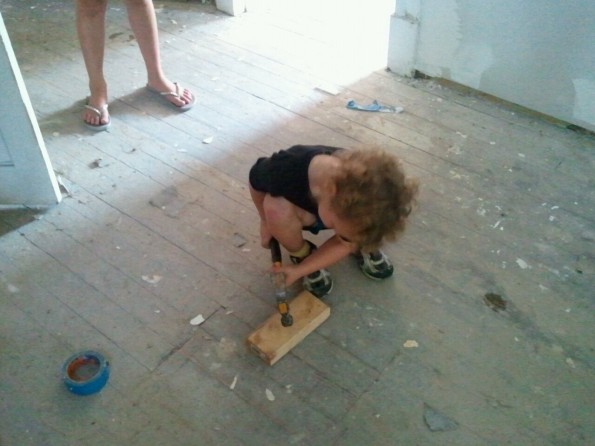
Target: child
{"x":363,"y":195}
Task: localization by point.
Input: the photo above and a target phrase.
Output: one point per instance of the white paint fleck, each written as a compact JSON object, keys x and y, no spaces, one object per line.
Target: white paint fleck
{"x":208,"y":140}
{"x":410,"y":343}
{"x":197,"y":320}
{"x":270,"y":395}
{"x":497,"y":224}
{"x":153,"y":280}
{"x":233,"y":383}
{"x":522,"y":264}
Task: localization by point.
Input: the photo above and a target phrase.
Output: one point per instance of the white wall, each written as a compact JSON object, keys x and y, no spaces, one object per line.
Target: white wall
{"x":536,"y":53}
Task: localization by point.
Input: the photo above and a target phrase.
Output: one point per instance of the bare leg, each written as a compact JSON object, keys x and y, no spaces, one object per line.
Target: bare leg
{"x":283,"y":222}
{"x":141,"y":15}
{"x":90,"y":25}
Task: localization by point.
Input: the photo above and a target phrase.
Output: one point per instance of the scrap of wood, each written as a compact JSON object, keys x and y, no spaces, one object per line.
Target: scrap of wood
{"x":271,"y":341}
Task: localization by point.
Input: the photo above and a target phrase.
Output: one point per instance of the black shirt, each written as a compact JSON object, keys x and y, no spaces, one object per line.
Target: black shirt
{"x":285,"y":174}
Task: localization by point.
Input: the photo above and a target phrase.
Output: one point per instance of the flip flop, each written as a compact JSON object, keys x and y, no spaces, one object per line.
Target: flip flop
{"x":99,"y":112}
{"x":175,"y":94}
{"x":373,"y":107}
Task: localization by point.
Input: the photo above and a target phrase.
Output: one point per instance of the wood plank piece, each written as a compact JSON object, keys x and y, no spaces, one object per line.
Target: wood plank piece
{"x":271,"y":341}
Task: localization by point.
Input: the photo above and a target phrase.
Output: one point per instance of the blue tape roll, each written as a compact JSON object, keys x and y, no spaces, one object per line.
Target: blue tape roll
{"x":85,"y":373}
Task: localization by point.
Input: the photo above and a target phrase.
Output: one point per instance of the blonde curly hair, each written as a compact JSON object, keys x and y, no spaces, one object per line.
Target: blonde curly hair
{"x":373,"y":194}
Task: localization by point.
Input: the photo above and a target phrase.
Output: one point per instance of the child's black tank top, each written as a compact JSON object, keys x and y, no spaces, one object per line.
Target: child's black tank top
{"x":285,"y":174}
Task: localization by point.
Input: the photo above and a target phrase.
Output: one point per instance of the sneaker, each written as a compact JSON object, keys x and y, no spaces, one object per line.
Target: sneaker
{"x":375,"y":265}
{"x":319,"y":283}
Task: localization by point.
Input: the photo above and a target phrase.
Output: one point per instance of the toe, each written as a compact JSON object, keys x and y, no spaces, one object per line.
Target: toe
{"x":188,"y":96}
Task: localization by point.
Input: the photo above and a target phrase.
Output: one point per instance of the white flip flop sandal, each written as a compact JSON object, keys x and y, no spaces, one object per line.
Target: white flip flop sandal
{"x":100,"y":112}
{"x":175,"y":94}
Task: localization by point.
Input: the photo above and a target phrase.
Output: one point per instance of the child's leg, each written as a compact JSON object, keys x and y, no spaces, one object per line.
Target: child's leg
{"x":284,"y":222}
{"x":319,"y":283}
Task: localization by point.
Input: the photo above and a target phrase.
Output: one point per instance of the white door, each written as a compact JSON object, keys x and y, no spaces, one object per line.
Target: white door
{"x":26,"y":175}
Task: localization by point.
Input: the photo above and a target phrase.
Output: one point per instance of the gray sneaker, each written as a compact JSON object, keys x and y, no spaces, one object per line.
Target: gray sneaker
{"x":375,"y":265}
{"x":319,"y":283}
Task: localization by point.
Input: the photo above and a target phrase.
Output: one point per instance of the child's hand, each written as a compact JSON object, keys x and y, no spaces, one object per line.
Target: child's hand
{"x":265,"y":235}
{"x":290,"y":272}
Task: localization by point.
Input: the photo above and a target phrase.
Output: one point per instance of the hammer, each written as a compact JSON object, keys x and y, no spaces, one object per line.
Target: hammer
{"x":279,"y":283}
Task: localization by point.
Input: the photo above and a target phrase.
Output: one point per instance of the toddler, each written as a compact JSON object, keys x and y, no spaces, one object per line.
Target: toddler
{"x":362,"y":195}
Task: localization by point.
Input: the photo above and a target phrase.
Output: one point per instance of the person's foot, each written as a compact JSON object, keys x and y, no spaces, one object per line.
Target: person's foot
{"x":375,"y":265}
{"x":173,"y":93}
{"x":96,"y":115}
{"x":319,"y":283}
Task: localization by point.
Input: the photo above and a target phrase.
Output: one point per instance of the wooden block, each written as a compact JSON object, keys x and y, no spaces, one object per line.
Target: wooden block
{"x":271,"y":341}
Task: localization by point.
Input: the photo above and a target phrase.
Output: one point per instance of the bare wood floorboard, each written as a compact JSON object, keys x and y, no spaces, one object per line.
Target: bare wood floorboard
{"x":157,"y":226}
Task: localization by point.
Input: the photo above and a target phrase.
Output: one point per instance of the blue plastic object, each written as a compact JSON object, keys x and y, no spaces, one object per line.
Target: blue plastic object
{"x":85,"y":373}
{"x":373,"y":107}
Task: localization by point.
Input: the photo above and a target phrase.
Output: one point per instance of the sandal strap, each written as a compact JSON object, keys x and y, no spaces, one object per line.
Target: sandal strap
{"x":175,"y":94}
{"x":98,"y":111}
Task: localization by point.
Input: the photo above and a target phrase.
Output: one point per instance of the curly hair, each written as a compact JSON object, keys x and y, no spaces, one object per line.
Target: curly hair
{"x":373,"y":194}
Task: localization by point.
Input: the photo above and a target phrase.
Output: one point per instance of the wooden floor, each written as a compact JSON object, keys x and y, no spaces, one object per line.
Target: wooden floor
{"x":494,"y":277}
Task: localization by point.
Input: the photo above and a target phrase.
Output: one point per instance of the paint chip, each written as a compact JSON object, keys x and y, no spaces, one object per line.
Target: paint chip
{"x":410,"y":343}
{"x":197,"y":320}
{"x":233,"y":383}
{"x":239,"y":240}
{"x":208,"y":140}
{"x":522,"y":264}
{"x":153,"y":280}
{"x":270,"y":395}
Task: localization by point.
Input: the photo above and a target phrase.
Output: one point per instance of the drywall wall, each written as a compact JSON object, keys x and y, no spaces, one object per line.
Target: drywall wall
{"x":538,"y":54}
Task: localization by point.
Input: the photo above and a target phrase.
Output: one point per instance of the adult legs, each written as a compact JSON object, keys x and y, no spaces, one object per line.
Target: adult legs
{"x":141,"y":15}
{"x":90,"y":25}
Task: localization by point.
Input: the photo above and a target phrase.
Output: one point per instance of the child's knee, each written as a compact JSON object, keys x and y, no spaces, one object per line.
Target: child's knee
{"x":277,"y":210}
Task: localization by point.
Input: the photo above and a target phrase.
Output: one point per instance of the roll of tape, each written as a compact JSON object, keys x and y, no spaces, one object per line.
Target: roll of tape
{"x":85,"y":373}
